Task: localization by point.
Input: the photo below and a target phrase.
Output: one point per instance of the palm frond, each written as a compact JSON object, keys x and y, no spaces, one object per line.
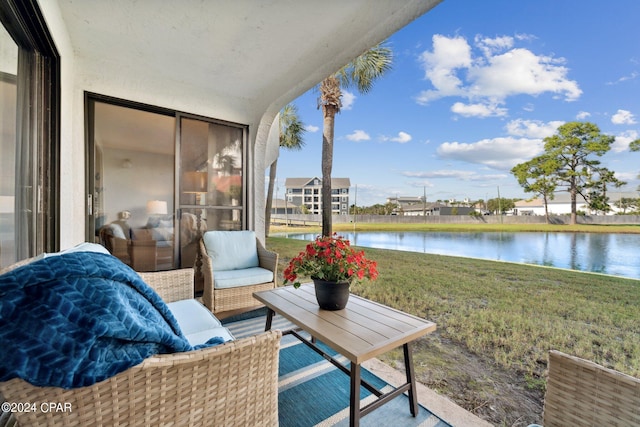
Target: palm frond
{"x":291,"y":128}
{"x":364,"y":70}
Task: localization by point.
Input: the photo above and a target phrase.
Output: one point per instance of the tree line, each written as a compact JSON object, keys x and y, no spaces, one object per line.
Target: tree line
{"x":569,"y":163}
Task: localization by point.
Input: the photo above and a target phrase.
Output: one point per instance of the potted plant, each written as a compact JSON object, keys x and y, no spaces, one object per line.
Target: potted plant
{"x":333,"y":264}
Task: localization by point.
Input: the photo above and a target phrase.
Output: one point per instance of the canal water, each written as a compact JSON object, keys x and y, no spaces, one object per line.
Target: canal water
{"x":608,"y":253}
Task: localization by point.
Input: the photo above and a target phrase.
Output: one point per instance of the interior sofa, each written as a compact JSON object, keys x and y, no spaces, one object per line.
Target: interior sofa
{"x":231,"y":384}
{"x":143,"y":249}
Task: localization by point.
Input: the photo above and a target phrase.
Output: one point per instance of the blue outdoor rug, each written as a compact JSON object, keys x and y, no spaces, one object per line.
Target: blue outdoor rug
{"x":313,"y":392}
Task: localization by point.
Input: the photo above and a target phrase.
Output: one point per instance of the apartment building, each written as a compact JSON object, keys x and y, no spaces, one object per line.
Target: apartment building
{"x":308,"y":192}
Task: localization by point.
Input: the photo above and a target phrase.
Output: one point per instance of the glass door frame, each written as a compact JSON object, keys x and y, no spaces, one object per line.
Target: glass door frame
{"x":90,"y":167}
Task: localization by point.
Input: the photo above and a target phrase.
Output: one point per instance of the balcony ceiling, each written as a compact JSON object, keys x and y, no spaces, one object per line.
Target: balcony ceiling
{"x":256,"y":55}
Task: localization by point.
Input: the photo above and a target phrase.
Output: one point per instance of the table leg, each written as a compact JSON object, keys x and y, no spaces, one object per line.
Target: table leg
{"x":270,"y":313}
{"x":411,"y":380}
{"x":354,"y":402}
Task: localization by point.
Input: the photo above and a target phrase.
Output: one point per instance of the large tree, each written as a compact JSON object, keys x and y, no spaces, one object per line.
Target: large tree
{"x":291,"y":137}
{"x":597,"y":186}
{"x":535,"y":176}
{"x":568,"y":159}
{"x":635,"y":146}
{"x":361,"y":74}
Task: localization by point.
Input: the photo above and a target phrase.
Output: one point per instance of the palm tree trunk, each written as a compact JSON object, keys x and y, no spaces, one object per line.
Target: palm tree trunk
{"x":267,"y":208}
{"x":327,"y":165}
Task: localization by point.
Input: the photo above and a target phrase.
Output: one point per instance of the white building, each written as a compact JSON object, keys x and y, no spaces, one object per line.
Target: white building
{"x":561,"y":205}
{"x":308,"y":192}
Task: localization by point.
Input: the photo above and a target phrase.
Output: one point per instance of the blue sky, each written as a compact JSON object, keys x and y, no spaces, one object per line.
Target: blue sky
{"x":474,"y":89}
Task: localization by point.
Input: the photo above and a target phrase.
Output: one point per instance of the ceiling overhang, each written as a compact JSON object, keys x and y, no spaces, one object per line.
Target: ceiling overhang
{"x":251,"y":55}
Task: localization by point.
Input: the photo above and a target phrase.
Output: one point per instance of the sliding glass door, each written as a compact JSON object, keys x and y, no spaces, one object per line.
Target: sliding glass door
{"x":211,"y":181}
{"x":159,"y":179}
{"x":132,"y":184}
{"x":29,"y":134}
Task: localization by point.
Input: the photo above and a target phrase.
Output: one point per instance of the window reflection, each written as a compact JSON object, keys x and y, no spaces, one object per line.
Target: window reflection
{"x":8,"y":109}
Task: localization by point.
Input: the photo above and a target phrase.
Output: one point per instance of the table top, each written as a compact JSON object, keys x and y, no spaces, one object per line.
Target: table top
{"x":363,"y":330}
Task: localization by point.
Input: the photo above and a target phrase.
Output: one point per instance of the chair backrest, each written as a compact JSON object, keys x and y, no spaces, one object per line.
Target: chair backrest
{"x":580,"y":392}
{"x":231,"y":250}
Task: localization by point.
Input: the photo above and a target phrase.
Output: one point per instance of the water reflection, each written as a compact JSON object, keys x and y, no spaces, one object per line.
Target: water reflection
{"x":602,"y":253}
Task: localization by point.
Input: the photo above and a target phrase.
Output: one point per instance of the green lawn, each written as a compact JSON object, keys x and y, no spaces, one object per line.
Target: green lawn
{"x":509,"y":312}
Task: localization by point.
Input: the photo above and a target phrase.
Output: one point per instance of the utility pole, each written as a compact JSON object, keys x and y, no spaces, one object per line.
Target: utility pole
{"x":355,"y":208}
{"x":424,"y":203}
{"x":499,"y":205}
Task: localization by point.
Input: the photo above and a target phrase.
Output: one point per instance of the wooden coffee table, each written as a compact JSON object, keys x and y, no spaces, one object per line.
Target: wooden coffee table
{"x":363,"y":330}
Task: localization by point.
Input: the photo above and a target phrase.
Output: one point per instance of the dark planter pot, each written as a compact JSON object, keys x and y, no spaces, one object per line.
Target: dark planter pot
{"x":331,"y":295}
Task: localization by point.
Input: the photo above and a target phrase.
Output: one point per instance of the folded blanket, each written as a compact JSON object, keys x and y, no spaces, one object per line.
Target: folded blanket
{"x":79,"y":318}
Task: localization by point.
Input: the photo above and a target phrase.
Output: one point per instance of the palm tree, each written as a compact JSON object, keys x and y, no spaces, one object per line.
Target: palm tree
{"x":291,"y":138}
{"x":360,"y":73}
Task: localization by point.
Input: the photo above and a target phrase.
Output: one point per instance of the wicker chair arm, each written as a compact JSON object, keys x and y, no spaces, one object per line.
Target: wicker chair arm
{"x":198,"y":388}
{"x":268,"y":259}
{"x":207,"y":273}
{"x":173,"y":285}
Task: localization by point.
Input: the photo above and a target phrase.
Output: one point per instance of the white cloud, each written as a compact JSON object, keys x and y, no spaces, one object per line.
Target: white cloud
{"x":347,"y":99}
{"x":621,"y":143}
{"x":497,"y":71}
{"x":445,"y":173}
{"x":463,"y":175}
{"x":623,"y":117}
{"x":532,"y":128}
{"x":496,"y":153}
{"x":631,"y":76}
{"x":478,"y":110}
{"x":312,"y":128}
{"x":358,"y":135}
{"x":402,"y":138}
{"x":582,"y":115}
{"x":626,"y":176}
{"x":490,"y":46}
{"x":440,"y":65}
{"x":520,"y":71}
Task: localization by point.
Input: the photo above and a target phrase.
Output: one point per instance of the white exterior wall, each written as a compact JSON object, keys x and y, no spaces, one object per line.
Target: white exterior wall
{"x":271,"y":75}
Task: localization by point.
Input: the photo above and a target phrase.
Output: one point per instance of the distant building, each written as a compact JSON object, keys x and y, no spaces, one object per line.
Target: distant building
{"x":403,"y":201}
{"x":282,"y":207}
{"x":561,"y":204}
{"x":308,"y":192}
{"x":420,"y":209}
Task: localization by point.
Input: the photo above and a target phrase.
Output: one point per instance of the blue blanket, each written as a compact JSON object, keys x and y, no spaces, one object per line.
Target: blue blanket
{"x":76,"y":319}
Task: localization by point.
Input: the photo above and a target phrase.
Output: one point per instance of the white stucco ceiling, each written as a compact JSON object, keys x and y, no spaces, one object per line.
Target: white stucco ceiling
{"x":252,"y":55}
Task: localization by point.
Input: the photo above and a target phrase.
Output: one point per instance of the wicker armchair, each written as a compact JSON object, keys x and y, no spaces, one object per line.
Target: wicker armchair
{"x":583,"y":393}
{"x":198,"y":388}
{"x":222,"y":299}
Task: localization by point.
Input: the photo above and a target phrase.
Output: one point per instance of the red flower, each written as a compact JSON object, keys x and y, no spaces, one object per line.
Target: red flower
{"x":330,"y":258}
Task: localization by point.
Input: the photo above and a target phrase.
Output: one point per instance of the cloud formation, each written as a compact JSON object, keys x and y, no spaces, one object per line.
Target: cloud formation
{"x":532,"y":128}
{"x":402,"y":138}
{"x":497,"y":153}
{"x":478,"y":110}
{"x":347,"y":100}
{"x":490,"y":73}
{"x":621,"y":143}
{"x":623,"y":117}
{"x":312,"y":128}
{"x":358,"y":135}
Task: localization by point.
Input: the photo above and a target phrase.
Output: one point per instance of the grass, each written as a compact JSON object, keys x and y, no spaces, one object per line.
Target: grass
{"x":511,"y":313}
